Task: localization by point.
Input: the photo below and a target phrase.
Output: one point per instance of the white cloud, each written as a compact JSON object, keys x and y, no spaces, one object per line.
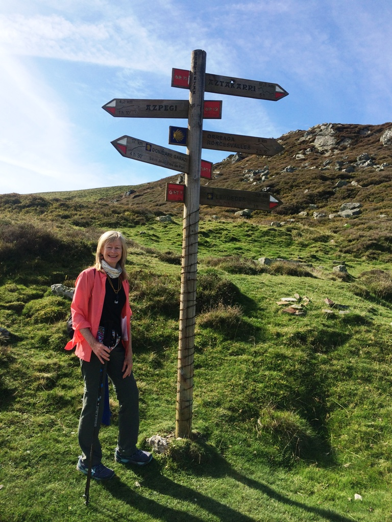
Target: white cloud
{"x":36,"y":136}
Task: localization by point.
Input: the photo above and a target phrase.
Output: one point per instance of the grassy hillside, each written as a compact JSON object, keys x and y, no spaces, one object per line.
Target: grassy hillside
{"x":292,"y":416}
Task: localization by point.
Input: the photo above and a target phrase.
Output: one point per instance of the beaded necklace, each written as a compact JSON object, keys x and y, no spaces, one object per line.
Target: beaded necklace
{"x":116,"y":291}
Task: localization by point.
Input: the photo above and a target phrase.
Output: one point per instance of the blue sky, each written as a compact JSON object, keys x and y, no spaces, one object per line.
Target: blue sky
{"x":61,"y":61}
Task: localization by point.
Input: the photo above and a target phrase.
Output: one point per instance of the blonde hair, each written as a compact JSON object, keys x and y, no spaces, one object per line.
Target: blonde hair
{"x":108,"y":237}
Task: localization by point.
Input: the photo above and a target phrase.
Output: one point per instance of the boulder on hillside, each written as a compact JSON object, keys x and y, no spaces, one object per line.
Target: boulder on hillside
{"x":386,"y":138}
{"x":325,"y":139}
{"x":4,"y":336}
{"x":350,"y":213}
{"x":164,"y":219}
{"x":350,"y":206}
{"x":63,"y":291}
{"x":246,"y":213}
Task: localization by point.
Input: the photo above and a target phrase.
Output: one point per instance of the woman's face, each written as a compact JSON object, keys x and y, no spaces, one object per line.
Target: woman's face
{"x":112,"y":252}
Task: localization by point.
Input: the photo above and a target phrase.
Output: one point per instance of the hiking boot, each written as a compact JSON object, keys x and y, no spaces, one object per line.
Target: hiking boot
{"x":98,"y":472}
{"x":140,"y":458}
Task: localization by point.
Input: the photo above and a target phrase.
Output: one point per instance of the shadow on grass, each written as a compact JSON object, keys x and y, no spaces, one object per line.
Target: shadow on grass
{"x":153,"y":479}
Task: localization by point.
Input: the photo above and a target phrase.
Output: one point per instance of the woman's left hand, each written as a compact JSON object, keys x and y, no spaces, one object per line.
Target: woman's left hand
{"x":128,"y":364}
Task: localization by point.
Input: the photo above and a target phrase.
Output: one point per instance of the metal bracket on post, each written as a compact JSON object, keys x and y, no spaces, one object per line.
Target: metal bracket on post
{"x":186,"y":342}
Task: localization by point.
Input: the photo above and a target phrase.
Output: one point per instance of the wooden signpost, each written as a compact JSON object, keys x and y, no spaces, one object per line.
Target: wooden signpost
{"x":191,"y":194}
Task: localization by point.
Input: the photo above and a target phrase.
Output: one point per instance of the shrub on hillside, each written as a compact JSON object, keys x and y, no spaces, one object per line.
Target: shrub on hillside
{"x":213,"y":291}
{"x":226,"y":319}
{"x":290,"y":269}
{"x":154,"y":293}
{"x":236,"y":265}
{"x":26,"y":248}
{"x":287,"y":436}
{"x":169,"y":257}
{"x":46,"y":310}
{"x":377,"y":283}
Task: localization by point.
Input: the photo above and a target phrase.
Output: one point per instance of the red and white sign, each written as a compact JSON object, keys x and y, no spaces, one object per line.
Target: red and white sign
{"x":206,"y":169}
{"x":181,"y":78}
{"x":175,"y":192}
{"x":212,"y":110}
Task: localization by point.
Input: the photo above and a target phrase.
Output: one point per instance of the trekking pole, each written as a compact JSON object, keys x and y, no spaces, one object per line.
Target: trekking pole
{"x":96,"y":424}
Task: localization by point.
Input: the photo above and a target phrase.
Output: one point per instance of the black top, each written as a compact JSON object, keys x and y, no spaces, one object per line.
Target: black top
{"x":112,"y":306}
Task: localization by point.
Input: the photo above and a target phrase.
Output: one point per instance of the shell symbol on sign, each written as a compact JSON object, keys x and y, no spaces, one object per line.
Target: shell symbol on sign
{"x":178,"y":135}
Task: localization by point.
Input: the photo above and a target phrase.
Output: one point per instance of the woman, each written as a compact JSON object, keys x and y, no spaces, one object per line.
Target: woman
{"x":101,"y":318}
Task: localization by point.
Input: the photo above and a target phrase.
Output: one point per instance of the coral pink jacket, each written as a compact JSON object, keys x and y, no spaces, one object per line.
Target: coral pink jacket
{"x":86,"y":308}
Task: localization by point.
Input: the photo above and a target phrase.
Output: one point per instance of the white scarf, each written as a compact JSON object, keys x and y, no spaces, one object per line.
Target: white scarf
{"x":110,"y":271}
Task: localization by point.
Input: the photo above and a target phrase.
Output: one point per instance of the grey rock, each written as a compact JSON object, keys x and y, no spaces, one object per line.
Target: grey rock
{"x":244,"y":213}
{"x":350,"y":213}
{"x":237,"y":157}
{"x":265,"y":261}
{"x":350,"y":206}
{"x":164,"y":219}
{"x":340,"y":268}
{"x":363,"y":157}
{"x":275,"y":224}
{"x":346,"y":142}
{"x":366,"y":164}
{"x":386,"y":138}
{"x":63,"y":291}
{"x":319,"y":215}
{"x":4,"y":335}
{"x":341,"y":183}
{"x":158,"y":443}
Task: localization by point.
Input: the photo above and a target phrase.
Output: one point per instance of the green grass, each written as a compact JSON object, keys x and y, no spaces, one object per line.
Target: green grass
{"x":292,"y":414}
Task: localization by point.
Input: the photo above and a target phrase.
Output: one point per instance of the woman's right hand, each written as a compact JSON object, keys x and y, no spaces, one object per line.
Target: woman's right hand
{"x":101,"y":351}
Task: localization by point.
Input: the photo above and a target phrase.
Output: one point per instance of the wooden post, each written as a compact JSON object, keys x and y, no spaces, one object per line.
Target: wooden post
{"x":186,"y":342}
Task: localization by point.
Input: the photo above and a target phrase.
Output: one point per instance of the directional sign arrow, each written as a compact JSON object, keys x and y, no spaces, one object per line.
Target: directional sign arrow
{"x":232,"y":86}
{"x":228,"y":142}
{"x":149,"y":153}
{"x":246,"y":88}
{"x":159,"y":108}
{"x":220,"y":197}
{"x":237,"y":198}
